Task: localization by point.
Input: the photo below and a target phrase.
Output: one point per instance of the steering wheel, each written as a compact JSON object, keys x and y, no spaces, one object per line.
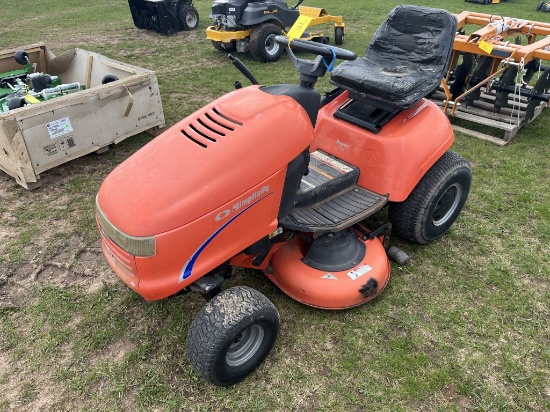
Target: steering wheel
{"x":317,"y":48}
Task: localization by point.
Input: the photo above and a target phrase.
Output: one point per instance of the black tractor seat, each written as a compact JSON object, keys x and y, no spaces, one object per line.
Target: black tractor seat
{"x":406,"y":59}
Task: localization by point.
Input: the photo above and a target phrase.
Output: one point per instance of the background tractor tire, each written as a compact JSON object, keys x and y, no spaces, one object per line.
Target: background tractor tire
{"x":435,"y":202}
{"x":263,"y":46}
{"x":188,"y":17}
{"x":339,"y":36}
{"x":232,"y":335}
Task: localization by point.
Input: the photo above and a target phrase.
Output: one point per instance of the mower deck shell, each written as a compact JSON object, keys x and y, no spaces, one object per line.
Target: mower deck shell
{"x":329,"y":290}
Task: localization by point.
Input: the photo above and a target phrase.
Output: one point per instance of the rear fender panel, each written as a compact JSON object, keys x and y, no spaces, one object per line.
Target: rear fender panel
{"x":394,"y":160}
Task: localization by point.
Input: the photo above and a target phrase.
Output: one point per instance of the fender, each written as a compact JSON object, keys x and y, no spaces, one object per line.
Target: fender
{"x":394,"y":160}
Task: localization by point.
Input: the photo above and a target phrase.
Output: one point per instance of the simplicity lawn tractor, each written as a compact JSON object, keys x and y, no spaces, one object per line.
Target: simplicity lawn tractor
{"x":21,"y":87}
{"x":164,"y":16}
{"x":279,"y":179}
{"x":252,"y":26}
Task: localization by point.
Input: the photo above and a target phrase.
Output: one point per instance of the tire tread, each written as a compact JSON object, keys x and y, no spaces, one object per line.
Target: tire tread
{"x":212,"y":326}
{"x":407,"y":217}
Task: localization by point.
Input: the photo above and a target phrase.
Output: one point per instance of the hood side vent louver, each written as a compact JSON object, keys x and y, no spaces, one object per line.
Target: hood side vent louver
{"x":201,"y":133}
{"x":209,"y":128}
{"x":193,"y":139}
{"x":227,"y":118}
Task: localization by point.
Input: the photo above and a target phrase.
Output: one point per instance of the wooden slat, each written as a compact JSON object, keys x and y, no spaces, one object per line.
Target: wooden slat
{"x":481,"y":136}
{"x":510,"y":119}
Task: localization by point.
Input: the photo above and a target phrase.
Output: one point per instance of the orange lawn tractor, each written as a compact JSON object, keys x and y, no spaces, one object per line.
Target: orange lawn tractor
{"x":279,"y":179}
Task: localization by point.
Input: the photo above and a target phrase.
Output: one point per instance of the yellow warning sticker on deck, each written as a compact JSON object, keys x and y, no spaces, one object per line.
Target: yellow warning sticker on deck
{"x":298,"y":28}
{"x":486,"y":47}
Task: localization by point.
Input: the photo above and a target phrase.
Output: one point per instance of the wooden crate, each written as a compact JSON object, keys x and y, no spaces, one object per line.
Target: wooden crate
{"x":38,"y":137}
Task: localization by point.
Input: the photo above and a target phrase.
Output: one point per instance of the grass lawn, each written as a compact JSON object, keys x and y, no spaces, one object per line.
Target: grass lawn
{"x":463,"y":327}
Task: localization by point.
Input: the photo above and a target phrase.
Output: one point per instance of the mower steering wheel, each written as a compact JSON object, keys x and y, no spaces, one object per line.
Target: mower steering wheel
{"x":317,"y":48}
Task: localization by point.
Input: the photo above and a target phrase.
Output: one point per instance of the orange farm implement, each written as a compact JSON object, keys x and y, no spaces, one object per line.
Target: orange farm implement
{"x":497,"y":77}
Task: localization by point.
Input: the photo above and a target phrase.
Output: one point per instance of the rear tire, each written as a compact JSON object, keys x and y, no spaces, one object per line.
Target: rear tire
{"x":188,"y":18}
{"x":339,"y":36}
{"x":435,"y":202}
{"x":232,"y":335}
{"x":263,"y":46}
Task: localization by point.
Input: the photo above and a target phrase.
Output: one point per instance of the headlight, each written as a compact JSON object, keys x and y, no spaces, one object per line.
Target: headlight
{"x":134,"y":245}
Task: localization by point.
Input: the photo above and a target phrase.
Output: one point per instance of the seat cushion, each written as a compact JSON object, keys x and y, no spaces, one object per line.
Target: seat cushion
{"x":406,"y":59}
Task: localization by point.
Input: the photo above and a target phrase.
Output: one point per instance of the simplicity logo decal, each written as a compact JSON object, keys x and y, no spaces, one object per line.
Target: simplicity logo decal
{"x":255,"y":198}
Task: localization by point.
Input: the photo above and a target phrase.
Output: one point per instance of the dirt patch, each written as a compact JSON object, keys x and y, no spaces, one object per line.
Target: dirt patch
{"x":38,"y":393}
{"x":41,"y":240}
{"x":81,"y":266}
{"x":114,"y":353}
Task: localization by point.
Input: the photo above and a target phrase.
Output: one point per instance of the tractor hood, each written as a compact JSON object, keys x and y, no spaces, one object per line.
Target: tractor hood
{"x":205,"y":161}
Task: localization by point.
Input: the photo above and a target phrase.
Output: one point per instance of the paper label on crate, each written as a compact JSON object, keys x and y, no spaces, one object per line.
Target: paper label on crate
{"x":59,"y":127}
{"x":486,"y":47}
{"x":298,"y":27}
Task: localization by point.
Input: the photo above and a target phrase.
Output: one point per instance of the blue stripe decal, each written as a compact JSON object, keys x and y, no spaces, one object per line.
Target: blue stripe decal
{"x":186,"y":271}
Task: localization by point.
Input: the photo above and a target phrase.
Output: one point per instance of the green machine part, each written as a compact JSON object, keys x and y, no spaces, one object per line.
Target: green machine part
{"x":11,"y":77}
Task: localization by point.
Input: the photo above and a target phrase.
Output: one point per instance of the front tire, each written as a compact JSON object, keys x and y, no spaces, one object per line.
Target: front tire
{"x":232,"y":335}
{"x":435,"y":202}
{"x":262,"y":44}
{"x":188,"y":18}
{"x":339,"y":36}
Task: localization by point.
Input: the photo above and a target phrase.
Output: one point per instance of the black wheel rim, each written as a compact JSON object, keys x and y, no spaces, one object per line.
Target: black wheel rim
{"x":447,"y":204}
{"x":245,"y":345}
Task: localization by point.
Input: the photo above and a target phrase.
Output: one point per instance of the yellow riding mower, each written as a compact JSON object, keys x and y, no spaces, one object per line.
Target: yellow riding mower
{"x":251,"y":26}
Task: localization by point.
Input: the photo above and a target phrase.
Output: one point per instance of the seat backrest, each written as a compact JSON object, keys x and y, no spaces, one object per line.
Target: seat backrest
{"x":414,"y":35}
